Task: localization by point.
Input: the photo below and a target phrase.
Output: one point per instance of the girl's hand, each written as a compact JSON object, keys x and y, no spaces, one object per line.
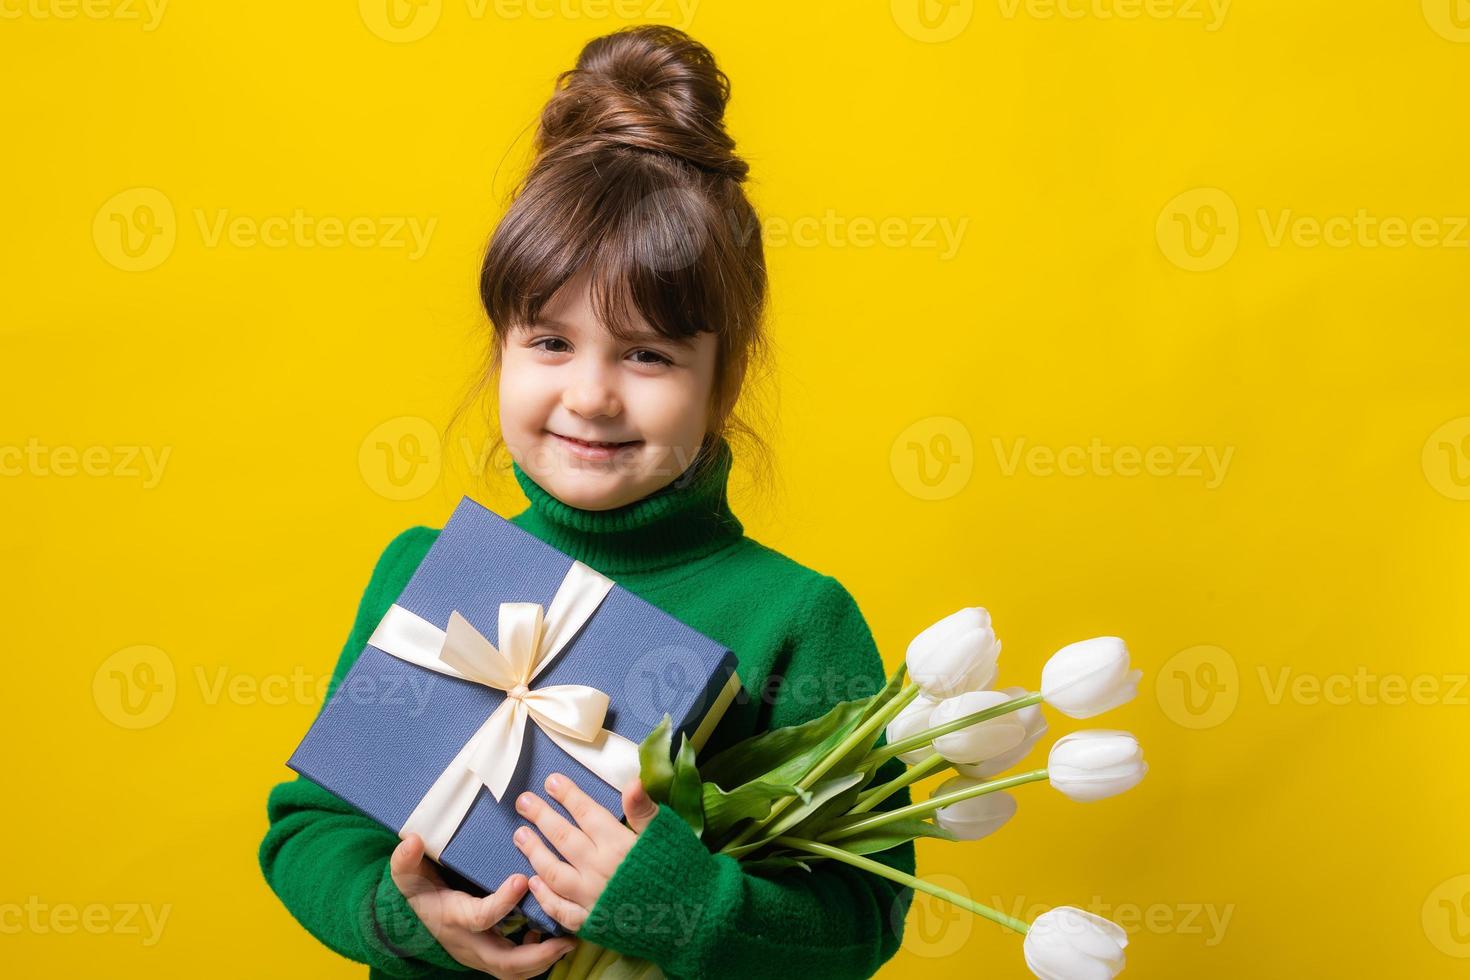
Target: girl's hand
{"x":460,"y":921}
{"x":595,"y":845}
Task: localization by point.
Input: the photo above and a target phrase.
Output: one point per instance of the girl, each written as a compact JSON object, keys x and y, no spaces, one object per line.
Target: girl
{"x":625,"y":286}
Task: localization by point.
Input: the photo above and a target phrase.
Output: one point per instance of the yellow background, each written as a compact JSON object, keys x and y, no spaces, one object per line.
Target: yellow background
{"x":1297,"y":831}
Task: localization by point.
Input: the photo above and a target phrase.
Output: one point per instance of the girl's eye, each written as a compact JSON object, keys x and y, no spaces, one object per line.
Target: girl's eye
{"x":657,"y":358}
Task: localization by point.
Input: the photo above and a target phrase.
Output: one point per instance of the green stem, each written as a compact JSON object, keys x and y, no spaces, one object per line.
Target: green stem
{"x":862,"y":733}
{"x":865,"y":731}
{"x":579,"y":962}
{"x":879,"y":756}
{"x":604,"y":960}
{"x":872,"y":797}
{"x":928,"y":806}
{"x":892,"y":874}
{"x":628,"y":967}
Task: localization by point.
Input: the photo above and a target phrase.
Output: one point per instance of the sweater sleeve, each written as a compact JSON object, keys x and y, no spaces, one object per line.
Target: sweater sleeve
{"x":327,"y":860}
{"x":700,"y":915}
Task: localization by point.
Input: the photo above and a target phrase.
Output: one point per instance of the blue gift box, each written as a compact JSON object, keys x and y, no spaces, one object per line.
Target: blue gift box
{"x":392,"y":727}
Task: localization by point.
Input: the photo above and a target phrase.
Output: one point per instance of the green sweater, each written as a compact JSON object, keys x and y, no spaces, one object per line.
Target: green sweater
{"x":802,"y":645}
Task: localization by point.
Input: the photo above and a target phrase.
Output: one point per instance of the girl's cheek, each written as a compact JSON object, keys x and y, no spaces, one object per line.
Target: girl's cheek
{"x":523,"y":381}
{"x":670,"y":402}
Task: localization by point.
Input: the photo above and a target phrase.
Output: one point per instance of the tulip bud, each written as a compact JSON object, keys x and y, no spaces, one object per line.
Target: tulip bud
{"x":980,"y":741}
{"x":1088,"y":677}
{"x":1035,"y":721}
{"x":913,"y":719}
{"x":954,"y":655}
{"x":1095,"y":764}
{"x":1067,"y":943}
{"x":976,"y":817}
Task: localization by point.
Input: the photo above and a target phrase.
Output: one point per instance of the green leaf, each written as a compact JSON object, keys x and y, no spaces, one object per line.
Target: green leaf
{"x":685,"y":795}
{"x":777,"y":863}
{"x":892,"y":687}
{"x":890,"y":835}
{"x":828,"y":790}
{"x":655,"y":769}
{"x":784,"y":755}
{"x":723,"y":810}
{"x":834,"y":809}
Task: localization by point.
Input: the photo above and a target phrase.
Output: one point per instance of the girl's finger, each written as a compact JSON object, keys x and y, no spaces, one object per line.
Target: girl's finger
{"x":590,"y":815}
{"x":534,"y":936}
{"x":529,"y":959}
{"x":487,"y":911}
{"x":569,"y":840}
{"x":411,"y":871}
{"x":563,"y":910}
{"x":562,"y":877}
{"x":638,"y":806}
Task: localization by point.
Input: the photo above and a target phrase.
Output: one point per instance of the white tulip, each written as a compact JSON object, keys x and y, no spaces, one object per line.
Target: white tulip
{"x":1035,"y":721}
{"x":976,"y":817}
{"x":1095,"y":764}
{"x":913,"y":719}
{"x":1067,"y":943}
{"x":980,"y":741}
{"x":955,"y":655}
{"x":1088,"y":677}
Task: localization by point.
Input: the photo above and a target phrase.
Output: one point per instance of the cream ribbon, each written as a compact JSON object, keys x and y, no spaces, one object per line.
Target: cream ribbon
{"x":570,"y":714}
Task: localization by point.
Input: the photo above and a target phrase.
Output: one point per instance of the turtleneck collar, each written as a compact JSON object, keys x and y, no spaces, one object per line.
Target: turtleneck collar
{"x":683,"y":521}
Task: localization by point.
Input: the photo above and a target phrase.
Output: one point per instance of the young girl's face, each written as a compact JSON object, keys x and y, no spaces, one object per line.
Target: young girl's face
{"x":565,"y":381}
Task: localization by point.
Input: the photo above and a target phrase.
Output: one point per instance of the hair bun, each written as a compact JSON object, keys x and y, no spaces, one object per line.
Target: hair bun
{"x":651,"y":88}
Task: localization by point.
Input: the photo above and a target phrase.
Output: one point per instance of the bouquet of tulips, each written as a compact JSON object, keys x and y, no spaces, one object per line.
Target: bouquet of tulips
{"x":793,"y":796}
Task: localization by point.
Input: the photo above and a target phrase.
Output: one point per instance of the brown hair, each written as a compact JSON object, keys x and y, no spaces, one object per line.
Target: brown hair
{"x":635,"y":179}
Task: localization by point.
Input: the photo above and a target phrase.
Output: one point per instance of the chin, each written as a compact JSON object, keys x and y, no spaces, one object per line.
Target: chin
{"x":592,"y":491}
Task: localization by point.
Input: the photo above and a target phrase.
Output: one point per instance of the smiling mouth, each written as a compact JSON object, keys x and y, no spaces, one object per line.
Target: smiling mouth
{"x":595,"y":445}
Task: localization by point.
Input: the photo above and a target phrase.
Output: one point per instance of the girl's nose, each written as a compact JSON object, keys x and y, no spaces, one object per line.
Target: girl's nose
{"x":590,"y":396}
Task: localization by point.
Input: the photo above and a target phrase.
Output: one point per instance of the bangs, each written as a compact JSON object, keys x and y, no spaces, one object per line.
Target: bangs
{"x":654,"y":242}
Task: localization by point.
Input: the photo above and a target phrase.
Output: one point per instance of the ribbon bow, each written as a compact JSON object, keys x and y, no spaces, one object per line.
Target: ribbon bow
{"x":571,"y":715}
